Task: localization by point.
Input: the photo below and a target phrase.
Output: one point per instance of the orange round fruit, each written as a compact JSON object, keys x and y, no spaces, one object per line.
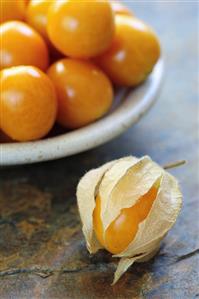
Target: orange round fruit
{"x":28,"y":103}
{"x":121,"y":232}
{"x":79,"y":28}
{"x":119,"y":8}
{"x":133,"y":53}
{"x":12,"y":10}
{"x":84,"y":92}
{"x":21,"y":45}
{"x":36,"y":15}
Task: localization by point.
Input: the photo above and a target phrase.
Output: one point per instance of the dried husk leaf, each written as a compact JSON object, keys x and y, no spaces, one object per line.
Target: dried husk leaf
{"x":86,"y":191}
{"x":111,"y":178}
{"x":126,"y":262}
{"x":120,"y":184}
{"x":160,"y":219}
{"x":135,"y":178}
{"x":153,"y":229}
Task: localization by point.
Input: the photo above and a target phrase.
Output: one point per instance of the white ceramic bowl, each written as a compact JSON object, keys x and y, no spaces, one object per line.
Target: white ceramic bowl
{"x":130,"y":105}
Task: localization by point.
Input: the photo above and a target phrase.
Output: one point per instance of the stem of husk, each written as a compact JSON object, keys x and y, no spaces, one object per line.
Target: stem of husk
{"x":174,"y":164}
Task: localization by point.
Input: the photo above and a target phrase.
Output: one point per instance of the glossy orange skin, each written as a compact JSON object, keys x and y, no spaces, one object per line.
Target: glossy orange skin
{"x":21,"y":45}
{"x":134,"y":52}
{"x":123,"y":229}
{"x":12,"y":10}
{"x":36,"y":15}
{"x":28,"y":103}
{"x":119,"y":8}
{"x":79,"y":28}
{"x":84,"y":92}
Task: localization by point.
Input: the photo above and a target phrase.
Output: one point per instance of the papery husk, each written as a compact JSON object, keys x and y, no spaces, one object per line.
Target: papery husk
{"x":160,"y":219}
{"x":123,"y":185}
{"x":87,"y":190}
{"x":120,"y":185}
{"x":152,"y":230}
{"x":126,"y":262}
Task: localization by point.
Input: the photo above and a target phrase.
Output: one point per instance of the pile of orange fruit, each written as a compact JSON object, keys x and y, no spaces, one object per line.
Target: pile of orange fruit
{"x":59,"y":61}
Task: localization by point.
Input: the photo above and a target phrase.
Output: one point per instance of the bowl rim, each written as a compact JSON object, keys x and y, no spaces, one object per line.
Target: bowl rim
{"x":137,"y":103}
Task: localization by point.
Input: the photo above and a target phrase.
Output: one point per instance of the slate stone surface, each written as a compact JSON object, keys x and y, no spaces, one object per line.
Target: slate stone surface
{"x":42,"y":250}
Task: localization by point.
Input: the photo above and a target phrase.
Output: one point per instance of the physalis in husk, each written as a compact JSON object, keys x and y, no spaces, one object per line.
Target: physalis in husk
{"x":127,"y":206}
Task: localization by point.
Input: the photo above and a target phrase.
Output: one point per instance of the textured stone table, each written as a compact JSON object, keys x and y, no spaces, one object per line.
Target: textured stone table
{"x":42,"y":250}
